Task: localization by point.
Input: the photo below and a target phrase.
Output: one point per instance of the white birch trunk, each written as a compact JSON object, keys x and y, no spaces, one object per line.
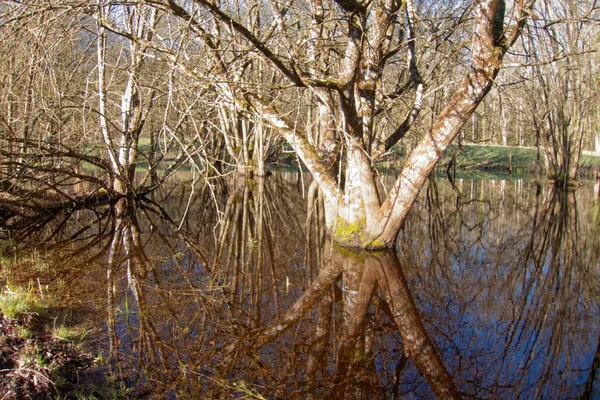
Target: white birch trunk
{"x":121,"y":143}
{"x":101,"y":53}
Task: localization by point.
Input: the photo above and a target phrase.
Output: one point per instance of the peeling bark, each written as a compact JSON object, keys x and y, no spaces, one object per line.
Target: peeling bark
{"x":486,"y":63}
{"x":382,"y":228}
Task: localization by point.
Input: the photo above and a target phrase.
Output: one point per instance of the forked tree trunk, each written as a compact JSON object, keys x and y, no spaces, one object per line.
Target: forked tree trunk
{"x":376,"y":226}
{"x":355,"y":217}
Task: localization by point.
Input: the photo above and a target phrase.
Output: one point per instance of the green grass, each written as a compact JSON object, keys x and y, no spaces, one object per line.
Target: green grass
{"x":590,"y":159}
{"x":17,"y":303}
{"x":70,"y":334}
{"x":491,"y":158}
{"x":502,"y":158}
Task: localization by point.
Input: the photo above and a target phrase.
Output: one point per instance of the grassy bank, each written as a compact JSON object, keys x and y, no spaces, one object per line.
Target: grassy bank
{"x":518,"y":160}
{"x":38,"y":359}
{"x":42,"y":346}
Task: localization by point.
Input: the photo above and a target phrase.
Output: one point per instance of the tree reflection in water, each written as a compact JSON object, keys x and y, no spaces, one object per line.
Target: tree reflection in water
{"x":492,"y":292}
{"x":127,"y":249}
{"x":520,"y":305}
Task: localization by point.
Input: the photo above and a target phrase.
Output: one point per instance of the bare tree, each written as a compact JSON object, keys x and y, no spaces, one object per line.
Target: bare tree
{"x":42,"y":120}
{"x":548,"y":94}
{"x":342,"y":81}
{"x":561,"y":92}
{"x":136,"y":102}
{"x":82,"y":108}
{"x":360,"y":62}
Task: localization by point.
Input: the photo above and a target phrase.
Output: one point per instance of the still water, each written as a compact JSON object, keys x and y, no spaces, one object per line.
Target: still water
{"x":492,"y":292}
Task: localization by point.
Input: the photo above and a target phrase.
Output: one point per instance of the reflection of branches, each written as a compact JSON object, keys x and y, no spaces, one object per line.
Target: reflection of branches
{"x":552,"y":273}
{"x":417,"y":344}
{"x":361,"y":274}
{"x":247,"y":252}
{"x":588,"y":389}
{"x":489,"y":303}
{"x":128,"y":240}
{"x":315,"y":232}
{"x":82,"y":231}
{"x":552,"y":258}
{"x":517,"y":286}
{"x":327,"y":276}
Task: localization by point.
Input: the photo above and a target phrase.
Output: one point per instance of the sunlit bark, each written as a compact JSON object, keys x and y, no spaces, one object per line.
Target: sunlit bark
{"x":356,"y":217}
{"x":347,"y":75}
{"x":486,"y":63}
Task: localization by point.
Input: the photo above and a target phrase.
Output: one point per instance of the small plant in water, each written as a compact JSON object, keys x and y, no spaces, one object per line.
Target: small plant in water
{"x":69,"y":334}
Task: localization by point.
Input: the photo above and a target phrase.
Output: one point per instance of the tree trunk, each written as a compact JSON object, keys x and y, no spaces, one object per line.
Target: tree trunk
{"x":382,"y":231}
{"x":383,"y":223}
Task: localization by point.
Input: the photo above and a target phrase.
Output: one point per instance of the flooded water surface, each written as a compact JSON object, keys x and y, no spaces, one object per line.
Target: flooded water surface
{"x":492,"y":292}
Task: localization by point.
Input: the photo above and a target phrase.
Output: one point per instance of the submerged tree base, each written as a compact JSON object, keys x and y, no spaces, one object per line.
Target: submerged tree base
{"x":564,"y":183}
{"x":354,"y":236}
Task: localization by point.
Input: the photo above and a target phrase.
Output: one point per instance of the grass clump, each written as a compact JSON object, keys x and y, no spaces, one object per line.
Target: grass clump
{"x":69,"y":334}
{"x":19,"y":303}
